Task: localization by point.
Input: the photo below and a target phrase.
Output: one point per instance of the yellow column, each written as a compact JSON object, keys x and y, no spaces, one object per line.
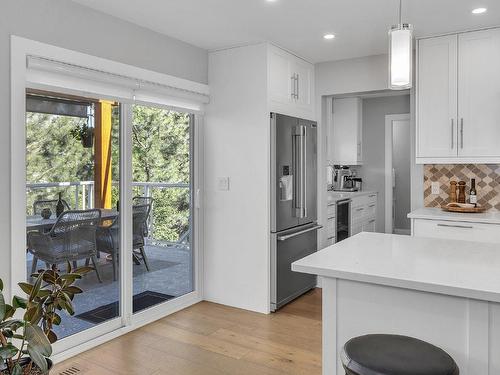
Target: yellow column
{"x":102,"y":151}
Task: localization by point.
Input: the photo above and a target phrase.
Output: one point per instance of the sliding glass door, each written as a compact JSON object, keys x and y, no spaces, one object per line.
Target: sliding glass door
{"x":162,"y":224}
{"x":72,"y":191}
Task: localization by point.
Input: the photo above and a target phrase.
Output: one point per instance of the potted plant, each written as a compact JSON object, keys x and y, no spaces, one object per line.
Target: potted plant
{"x":26,"y":342}
{"x":85,"y":134}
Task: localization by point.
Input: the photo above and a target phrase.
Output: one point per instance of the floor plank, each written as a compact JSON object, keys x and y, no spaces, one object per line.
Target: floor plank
{"x":212,"y":339}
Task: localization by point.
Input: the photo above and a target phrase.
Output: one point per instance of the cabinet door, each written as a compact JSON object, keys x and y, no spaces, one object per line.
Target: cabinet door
{"x":346,"y":131}
{"x":369,"y":226}
{"x":479,"y":94}
{"x":303,"y":72}
{"x":280,"y":76}
{"x":437,"y":97}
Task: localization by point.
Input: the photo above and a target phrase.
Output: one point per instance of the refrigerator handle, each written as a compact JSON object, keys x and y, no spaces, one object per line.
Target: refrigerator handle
{"x":304,"y":174}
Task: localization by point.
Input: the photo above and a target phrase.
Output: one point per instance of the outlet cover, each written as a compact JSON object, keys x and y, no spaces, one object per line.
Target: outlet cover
{"x":223,"y":183}
{"x":435,"y":188}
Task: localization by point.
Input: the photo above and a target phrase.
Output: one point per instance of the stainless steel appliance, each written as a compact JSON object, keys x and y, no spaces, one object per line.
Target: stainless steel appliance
{"x":343,"y":179}
{"x":293,"y":205}
{"x":343,"y":219}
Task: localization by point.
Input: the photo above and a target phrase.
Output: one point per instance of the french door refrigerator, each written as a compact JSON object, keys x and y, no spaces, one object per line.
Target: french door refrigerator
{"x":293,"y":205}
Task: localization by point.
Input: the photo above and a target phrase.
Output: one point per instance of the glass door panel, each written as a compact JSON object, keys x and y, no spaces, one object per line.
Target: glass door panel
{"x":161,"y":207}
{"x":72,"y":190}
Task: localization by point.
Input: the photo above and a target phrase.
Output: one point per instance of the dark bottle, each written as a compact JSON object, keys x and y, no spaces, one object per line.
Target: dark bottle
{"x":473,"y":192}
{"x":59,"y":206}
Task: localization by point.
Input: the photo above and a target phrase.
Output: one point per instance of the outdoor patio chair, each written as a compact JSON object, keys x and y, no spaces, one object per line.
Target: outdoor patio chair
{"x":108,"y":237}
{"x":51,"y":204}
{"x":139,"y":200}
{"x":108,"y":241}
{"x":140,"y":215}
{"x":73,"y":237}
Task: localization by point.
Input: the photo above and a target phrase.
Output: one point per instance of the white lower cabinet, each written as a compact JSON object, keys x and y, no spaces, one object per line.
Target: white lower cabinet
{"x":456,"y":230}
{"x":363,"y":214}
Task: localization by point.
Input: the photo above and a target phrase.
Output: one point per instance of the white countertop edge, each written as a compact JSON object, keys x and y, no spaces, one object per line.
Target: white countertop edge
{"x":400,"y":283}
{"x":439,"y":214}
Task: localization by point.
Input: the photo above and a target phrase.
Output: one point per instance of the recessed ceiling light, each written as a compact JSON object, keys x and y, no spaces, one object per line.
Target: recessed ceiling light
{"x":329,"y":36}
{"x":479,"y":10}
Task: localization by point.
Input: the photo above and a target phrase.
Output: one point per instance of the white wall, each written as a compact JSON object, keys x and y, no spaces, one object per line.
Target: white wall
{"x":350,"y":76}
{"x":66,"y":24}
{"x":373,"y":169}
{"x":237,"y":138}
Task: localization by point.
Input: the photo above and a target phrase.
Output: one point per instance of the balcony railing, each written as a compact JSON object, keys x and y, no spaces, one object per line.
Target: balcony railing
{"x":83,"y":198}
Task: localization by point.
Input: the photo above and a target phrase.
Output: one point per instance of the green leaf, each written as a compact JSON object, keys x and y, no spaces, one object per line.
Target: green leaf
{"x":26,"y":287}
{"x":9,"y":312}
{"x":19,"y":302}
{"x":38,"y":358}
{"x":8,"y":351}
{"x":70,"y":277}
{"x":17,"y":370}
{"x":73,"y":290}
{"x":1,"y":285}
{"x":3,"y":307}
{"x":52,"y":336}
{"x":83,"y":270}
{"x":57,"y":319}
{"x":36,"y":286}
{"x":37,"y":339}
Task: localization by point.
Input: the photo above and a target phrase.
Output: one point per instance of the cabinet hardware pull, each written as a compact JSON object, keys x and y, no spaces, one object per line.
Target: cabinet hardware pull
{"x":360,"y":209}
{"x":462,"y":132}
{"x":371,"y":221}
{"x":452,"y":134}
{"x":298,"y":80}
{"x":371,"y":205}
{"x":373,"y":195}
{"x":293,"y":86}
{"x":456,"y":226}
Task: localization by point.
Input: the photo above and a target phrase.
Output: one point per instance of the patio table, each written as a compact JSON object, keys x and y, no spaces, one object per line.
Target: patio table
{"x":36,"y":222}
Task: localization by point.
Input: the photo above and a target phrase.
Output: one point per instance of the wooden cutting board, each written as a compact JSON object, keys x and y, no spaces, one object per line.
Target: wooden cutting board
{"x":452,"y":207}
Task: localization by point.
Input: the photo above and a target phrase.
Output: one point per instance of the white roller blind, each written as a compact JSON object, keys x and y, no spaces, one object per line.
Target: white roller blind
{"x":173,"y":92}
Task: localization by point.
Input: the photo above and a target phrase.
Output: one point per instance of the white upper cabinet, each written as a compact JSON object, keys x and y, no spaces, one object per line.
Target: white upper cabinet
{"x":345,"y":132}
{"x":437,"y":97}
{"x":458,"y":98}
{"x":291,"y":84}
{"x":479,"y":94}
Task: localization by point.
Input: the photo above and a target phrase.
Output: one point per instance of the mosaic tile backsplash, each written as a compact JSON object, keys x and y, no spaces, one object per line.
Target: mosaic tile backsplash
{"x":487,"y":183}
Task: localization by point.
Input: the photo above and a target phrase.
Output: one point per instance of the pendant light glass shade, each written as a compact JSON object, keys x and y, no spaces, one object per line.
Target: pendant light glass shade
{"x":401,"y":57}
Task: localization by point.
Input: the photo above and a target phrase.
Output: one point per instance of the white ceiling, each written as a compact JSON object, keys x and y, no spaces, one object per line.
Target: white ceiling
{"x":298,"y":25}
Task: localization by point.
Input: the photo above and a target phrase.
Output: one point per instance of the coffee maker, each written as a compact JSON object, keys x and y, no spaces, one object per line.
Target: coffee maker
{"x":343,"y":179}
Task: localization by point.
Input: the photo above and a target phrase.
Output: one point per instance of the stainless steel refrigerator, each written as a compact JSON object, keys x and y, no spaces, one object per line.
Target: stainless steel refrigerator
{"x":293,"y":205}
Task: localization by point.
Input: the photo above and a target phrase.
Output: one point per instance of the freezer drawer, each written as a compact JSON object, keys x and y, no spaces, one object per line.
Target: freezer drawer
{"x":286,"y":248}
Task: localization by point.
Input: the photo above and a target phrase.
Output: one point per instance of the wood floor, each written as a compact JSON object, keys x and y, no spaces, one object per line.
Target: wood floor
{"x":211,"y":339}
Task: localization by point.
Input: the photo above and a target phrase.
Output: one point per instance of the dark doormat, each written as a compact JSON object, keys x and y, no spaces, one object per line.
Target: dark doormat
{"x":140,"y":302}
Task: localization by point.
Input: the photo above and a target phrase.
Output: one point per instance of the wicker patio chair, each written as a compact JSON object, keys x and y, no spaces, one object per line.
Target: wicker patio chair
{"x":73,"y":237}
{"x":108,"y":241}
{"x":51,"y":204}
{"x":138,"y":201}
{"x":140,"y":215}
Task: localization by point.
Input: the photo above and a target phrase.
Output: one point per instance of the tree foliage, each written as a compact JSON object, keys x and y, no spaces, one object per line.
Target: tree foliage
{"x":161,"y":153}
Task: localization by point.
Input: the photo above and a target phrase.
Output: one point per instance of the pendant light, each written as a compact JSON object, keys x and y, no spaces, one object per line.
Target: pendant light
{"x":400,"y":55}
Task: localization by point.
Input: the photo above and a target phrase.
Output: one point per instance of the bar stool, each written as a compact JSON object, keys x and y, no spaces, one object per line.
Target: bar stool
{"x":395,"y":355}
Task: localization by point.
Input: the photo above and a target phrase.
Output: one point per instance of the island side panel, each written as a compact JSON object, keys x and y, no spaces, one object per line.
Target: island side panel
{"x":329,"y":314}
{"x":467,"y":329}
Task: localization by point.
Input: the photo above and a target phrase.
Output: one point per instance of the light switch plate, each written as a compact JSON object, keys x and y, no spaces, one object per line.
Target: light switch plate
{"x":435,"y":188}
{"x":223,"y":183}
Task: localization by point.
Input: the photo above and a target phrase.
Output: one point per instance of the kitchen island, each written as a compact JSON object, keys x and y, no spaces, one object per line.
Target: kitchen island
{"x":442,"y":291}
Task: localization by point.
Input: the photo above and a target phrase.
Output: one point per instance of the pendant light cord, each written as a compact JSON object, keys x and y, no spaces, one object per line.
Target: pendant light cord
{"x":400,"y":13}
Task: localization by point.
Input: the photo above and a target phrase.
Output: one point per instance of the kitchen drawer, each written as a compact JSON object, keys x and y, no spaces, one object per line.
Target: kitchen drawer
{"x":359,"y":201}
{"x":330,"y":241}
{"x":330,"y":227}
{"x":457,"y":230}
{"x":358,"y":213}
{"x":372,"y":198}
{"x":331,"y":211}
{"x":371,"y":210}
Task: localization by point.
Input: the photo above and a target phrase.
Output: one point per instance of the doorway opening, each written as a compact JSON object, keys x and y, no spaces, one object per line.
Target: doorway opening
{"x":398,"y":164}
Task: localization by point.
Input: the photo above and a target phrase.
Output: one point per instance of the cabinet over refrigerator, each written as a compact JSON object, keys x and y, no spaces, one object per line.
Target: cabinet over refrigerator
{"x":293,"y":205}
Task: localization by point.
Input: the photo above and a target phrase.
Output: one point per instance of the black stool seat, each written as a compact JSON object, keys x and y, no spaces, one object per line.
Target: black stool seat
{"x":395,"y":355}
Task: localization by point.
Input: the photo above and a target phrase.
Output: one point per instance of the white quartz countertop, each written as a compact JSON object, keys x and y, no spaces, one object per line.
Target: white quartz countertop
{"x":458,"y":268}
{"x":439,"y":214}
{"x":334,"y":196}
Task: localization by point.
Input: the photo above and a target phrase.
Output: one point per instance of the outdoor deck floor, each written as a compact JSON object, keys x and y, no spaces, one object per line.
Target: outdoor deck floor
{"x":171,"y":273}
